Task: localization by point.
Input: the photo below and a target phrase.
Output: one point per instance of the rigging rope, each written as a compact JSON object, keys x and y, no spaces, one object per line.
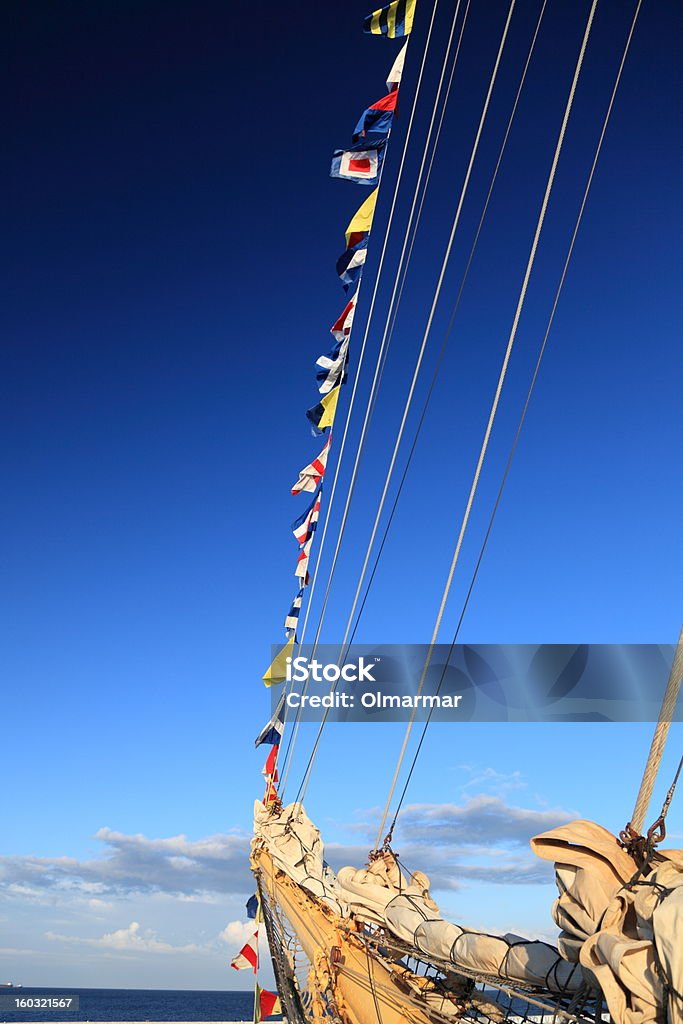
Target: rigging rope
{"x":463,"y":281}
{"x":380,"y":358}
{"x":430,"y":319}
{"x":492,"y":413}
{"x":425,"y":337}
{"x":411,"y":231}
{"x":373,"y":297}
{"x":451,"y":322}
{"x":382,"y":348}
{"x":654,"y":757}
{"x":528,"y":396}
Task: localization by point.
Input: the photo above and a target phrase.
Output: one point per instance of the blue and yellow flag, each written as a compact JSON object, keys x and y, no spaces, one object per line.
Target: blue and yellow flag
{"x":392,"y":21}
{"x":321,"y":416}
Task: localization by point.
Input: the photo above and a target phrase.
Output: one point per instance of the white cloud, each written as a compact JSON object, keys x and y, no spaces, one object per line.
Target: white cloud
{"x":12,"y":951}
{"x":100,"y":906}
{"x":134,"y":864}
{"x":501,"y":782}
{"x":441,"y":837}
{"x":129,"y":939}
{"x":236,"y":933}
{"x":482,"y":839}
{"x":482,"y":819}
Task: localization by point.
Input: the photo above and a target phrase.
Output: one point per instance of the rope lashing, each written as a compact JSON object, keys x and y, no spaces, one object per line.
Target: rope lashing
{"x":640,"y":847}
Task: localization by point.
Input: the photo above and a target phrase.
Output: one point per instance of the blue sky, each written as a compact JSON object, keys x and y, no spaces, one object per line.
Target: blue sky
{"x":168,"y":283}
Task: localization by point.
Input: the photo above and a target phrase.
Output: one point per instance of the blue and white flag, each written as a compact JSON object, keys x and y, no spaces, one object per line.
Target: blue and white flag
{"x":359,"y":165}
{"x":350,"y":265}
{"x":292,"y":618}
{"x":272,"y":733}
{"x":253,"y":902}
{"x":333,"y":367}
{"x":305,"y":524}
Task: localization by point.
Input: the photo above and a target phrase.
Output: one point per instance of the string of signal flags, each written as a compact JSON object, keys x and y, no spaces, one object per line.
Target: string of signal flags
{"x":360,"y":164}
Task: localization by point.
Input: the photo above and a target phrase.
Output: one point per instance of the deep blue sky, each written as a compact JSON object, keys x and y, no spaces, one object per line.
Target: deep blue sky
{"x":169,"y":239}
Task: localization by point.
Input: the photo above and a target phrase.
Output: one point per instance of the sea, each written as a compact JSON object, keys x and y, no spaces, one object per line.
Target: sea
{"x":121,"y":1004}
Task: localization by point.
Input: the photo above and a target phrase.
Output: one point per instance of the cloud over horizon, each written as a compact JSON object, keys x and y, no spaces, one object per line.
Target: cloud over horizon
{"x":132,"y":939}
{"x":147,"y":900}
{"x":482,"y":839}
{"x":135,"y":864}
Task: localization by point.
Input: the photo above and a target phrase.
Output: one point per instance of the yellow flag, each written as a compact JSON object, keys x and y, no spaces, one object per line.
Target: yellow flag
{"x":393,"y":21}
{"x":329,"y":404}
{"x":361,"y":222}
{"x":277,"y":673}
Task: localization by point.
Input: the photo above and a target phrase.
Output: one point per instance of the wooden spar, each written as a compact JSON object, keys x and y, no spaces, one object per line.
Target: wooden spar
{"x":365,"y":990}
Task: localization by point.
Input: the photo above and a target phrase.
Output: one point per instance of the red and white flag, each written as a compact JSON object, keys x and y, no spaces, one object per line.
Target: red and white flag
{"x":394,"y":79}
{"x":247,"y":956}
{"x":302,"y":562}
{"x":311,"y":475}
{"x":361,"y":165}
{"x":341,"y":328}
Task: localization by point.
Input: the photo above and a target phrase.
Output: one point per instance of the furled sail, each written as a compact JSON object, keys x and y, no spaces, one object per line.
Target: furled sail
{"x":621,"y":923}
{"x":381,"y":895}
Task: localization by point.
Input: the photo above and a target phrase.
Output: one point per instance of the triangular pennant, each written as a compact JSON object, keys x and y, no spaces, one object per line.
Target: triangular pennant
{"x":321,"y":416}
{"x":247,"y":956}
{"x":277,"y":671}
{"x":272,"y":731}
{"x":311,"y":475}
{"x":396,"y":73}
{"x":305,"y":524}
{"x":361,"y":222}
{"x":292,"y":617}
{"x":267,"y":1003}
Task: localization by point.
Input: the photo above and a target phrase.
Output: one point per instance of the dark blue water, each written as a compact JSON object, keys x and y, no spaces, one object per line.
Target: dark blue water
{"x":136,"y":1004}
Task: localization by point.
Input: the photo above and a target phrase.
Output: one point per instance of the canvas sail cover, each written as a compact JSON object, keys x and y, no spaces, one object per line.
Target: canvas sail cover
{"x":294,"y":843}
{"x":629,"y":938}
{"x":381,"y":894}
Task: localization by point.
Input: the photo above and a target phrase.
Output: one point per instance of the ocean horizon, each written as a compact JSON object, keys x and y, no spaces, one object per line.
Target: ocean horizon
{"x":122,"y":1004}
